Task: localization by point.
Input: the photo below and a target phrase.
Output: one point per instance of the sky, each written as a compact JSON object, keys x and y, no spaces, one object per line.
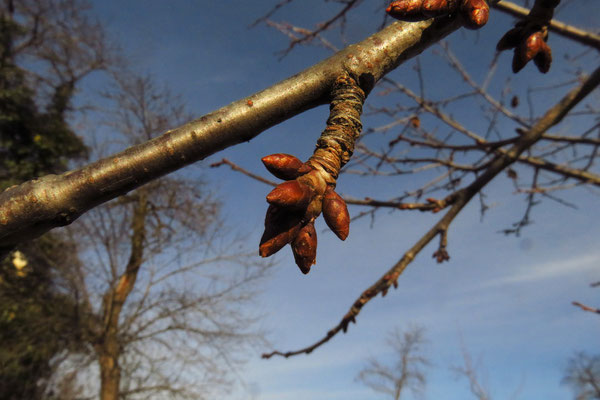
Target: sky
{"x":504,"y":299}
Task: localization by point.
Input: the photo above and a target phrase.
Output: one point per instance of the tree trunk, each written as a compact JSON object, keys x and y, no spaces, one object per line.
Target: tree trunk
{"x":109,"y":347}
{"x":110,"y":371}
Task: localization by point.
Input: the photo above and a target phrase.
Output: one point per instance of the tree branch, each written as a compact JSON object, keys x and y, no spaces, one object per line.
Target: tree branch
{"x":30,"y":209}
{"x":463,"y":196}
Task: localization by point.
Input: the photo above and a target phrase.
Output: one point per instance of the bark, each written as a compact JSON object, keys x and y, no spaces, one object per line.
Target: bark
{"x":109,"y":347}
{"x":30,"y":209}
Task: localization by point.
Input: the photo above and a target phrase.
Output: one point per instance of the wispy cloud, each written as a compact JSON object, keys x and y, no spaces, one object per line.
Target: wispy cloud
{"x":549,"y":270}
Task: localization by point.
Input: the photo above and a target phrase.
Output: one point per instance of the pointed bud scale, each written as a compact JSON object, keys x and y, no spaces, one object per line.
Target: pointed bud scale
{"x":543,"y":59}
{"x":527,"y":50}
{"x":285,"y":166}
{"x":304,"y":247}
{"x":281,"y":227}
{"x":475,"y":13}
{"x":291,"y":194}
{"x":336,"y":214}
{"x":533,"y":45}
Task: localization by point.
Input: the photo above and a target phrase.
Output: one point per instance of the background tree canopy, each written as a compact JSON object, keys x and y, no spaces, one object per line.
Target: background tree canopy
{"x":431,"y":129}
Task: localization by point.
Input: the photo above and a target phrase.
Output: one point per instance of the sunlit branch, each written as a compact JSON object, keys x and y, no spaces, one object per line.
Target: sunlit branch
{"x":499,"y":163}
{"x":30,"y":209}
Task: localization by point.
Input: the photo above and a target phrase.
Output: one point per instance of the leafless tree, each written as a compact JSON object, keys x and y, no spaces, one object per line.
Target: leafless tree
{"x":407,"y":371}
{"x":159,"y":289}
{"x":583,"y":375}
{"x":460,"y":158}
{"x":64,"y":42}
{"x":472,"y":373}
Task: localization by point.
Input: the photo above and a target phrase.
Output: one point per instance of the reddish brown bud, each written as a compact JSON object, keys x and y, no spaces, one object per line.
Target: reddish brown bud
{"x":514,"y":102}
{"x":418,"y":10}
{"x":281,"y":226}
{"x":406,"y":10}
{"x":434,"y":8}
{"x":475,"y":13}
{"x":336,"y":214}
{"x":528,"y":49}
{"x":291,"y":194}
{"x":415,"y":122}
{"x":304,"y":247}
{"x":441,"y":255}
{"x":543,"y":59}
{"x":285,"y":166}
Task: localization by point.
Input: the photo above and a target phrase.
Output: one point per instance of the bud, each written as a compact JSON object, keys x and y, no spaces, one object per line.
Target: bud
{"x":285,"y":166}
{"x":281,"y":226}
{"x":406,"y":10}
{"x":291,"y":194}
{"x":418,"y":10}
{"x":336,"y":214}
{"x":475,"y":13}
{"x":304,"y":247}
{"x":528,"y":49}
{"x":543,"y":59}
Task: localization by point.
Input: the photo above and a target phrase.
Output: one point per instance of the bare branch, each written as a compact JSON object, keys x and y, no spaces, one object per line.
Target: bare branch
{"x":499,"y":163}
{"x":33,"y":208}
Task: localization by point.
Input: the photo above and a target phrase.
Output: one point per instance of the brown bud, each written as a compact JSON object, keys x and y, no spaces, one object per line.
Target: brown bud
{"x":514,"y":102}
{"x":285,"y":166}
{"x":441,"y":255}
{"x":527,"y":50}
{"x":304,"y":247}
{"x":475,"y":13}
{"x":406,"y":10}
{"x":291,"y":194}
{"x":435,"y":8}
{"x":418,"y":10}
{"x":281,"y":226}
{"x":415,"y":122}
{"x":543,"y":59}
{"x":336,"y":214}
{"x":510,"y":40}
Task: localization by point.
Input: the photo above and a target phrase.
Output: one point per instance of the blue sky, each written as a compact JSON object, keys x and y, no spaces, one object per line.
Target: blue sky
{"x":506,"y":299}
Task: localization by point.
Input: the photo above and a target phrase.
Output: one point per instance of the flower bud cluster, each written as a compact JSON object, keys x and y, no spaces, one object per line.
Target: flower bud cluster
{"x":475,"y":13}
{"x":309,"y":188}
{"x":529,"y":43}
{"x":293,"y":207}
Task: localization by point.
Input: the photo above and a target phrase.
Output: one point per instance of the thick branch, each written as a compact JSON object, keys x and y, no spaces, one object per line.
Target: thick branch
{"x":462,"y":197}
{"x":29,"y":210}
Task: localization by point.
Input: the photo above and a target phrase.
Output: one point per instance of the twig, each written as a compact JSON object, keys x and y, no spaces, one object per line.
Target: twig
{"x":586,"y":308}
{"x":237,"y":168}
{"x":500,"y":162}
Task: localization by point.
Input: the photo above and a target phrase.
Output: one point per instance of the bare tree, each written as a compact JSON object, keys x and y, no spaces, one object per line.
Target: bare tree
{"x":461,"y":158}
{"x":161,"y":313}
{"x":472,"y":373}
{"x":583,"y":375}
{"x":407,"y":371}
